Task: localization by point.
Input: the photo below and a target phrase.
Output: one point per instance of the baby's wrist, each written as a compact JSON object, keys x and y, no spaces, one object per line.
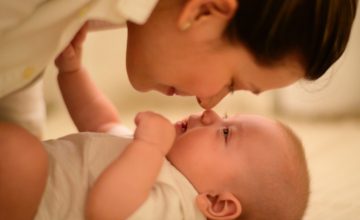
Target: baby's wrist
{"x":152,"y":146}
{"x":73,"y":71}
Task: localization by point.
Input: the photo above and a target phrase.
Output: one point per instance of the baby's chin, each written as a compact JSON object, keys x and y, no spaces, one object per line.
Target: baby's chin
{"x":174,"y":150}
{"x":169,"y":156}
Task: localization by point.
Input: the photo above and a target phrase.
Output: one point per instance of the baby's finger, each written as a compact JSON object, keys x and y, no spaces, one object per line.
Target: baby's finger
{"x":67,"y":53}
{"x":80,"y":36}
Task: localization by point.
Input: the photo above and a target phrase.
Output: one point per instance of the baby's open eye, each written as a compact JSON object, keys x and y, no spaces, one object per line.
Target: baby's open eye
{"x":226,"y":132}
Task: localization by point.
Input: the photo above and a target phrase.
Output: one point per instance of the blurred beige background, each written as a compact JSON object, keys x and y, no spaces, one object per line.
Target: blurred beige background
{"x":325,"y":114}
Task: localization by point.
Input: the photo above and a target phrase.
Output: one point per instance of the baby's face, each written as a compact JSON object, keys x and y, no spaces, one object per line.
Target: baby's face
{"x":211,"y":151}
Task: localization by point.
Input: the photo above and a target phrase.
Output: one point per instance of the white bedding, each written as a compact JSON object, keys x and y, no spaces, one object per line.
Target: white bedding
{"x":333,"y":152}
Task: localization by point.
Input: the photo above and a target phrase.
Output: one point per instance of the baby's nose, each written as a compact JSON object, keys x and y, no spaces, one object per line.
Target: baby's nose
{"x":209,"y":117}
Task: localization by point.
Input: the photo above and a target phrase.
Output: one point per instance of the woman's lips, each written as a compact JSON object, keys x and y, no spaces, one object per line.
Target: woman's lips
{"x":171,"y":91}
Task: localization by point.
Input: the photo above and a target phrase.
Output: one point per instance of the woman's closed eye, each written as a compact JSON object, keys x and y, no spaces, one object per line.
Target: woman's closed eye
{"x":231,"y":87}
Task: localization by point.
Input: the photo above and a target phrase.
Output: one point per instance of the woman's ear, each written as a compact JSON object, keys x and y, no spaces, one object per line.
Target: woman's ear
{"x":224,"y":206}
{"x":196,"y":12}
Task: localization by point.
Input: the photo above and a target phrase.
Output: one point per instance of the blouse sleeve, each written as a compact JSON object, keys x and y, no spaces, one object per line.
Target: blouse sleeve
{"x":15,"y":11}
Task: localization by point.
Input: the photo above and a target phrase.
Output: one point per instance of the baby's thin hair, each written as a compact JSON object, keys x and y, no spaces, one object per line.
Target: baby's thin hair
{"x":303,"y":175}
{"x":292,"y":203}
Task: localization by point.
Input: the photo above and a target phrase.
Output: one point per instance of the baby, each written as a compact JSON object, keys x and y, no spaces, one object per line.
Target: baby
{"x":203,"y":167}
{"x":242,"y":167}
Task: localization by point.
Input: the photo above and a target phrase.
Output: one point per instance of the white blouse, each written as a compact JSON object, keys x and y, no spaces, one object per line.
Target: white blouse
{"x":34,"y":32}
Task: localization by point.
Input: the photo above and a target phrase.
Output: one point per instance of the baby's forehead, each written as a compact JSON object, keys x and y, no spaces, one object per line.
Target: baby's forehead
{"x":257,"y":125}
{"x":251,"y":118}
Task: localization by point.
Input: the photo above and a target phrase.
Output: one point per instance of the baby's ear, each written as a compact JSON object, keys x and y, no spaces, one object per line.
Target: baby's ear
{"x":224,"y":205}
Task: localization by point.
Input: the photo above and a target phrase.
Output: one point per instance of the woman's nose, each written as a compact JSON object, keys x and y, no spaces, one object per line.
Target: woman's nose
{"x":208,"y":103}
{"x":209,"y":117}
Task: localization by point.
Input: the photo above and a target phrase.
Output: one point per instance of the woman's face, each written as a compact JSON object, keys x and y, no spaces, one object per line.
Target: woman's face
{"x":163,"y":58}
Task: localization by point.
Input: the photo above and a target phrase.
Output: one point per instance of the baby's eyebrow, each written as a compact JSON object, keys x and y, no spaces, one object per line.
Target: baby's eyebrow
{"x":225,"y":115}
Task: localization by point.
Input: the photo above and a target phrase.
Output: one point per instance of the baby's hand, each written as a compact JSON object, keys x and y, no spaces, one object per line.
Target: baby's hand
{"x":69,"y":61}
{"x":155,"y":130}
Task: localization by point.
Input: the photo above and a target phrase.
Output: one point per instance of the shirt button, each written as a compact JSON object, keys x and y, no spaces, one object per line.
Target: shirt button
{"x":28,"y":72}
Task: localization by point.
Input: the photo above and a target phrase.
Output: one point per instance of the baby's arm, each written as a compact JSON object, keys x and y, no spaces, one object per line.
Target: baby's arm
{"x":88,"y":106}
{"x":127,"y":182}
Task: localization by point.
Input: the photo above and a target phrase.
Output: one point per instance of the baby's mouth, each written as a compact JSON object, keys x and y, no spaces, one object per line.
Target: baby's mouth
{"x":181,"y":127}
{"x":184,"y":126}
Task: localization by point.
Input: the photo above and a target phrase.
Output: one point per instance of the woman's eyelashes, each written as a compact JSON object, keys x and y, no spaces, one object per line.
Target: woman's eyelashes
{"x":231,"y":87}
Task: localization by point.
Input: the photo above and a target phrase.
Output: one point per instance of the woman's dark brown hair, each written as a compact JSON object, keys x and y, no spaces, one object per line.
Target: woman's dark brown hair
{"x":316,"y":30}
